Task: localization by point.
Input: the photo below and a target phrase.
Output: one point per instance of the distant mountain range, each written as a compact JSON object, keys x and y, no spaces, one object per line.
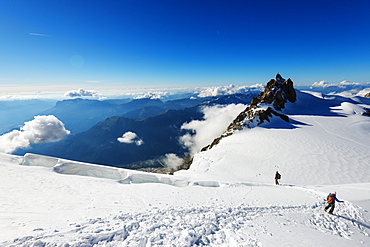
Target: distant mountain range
{"x":79,"y":115}
{"x":156,"y":123}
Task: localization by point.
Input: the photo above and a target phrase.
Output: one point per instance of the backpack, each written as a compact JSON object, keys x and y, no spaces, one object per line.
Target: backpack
{"x":278,"y":176}
{"x":330,"y":198}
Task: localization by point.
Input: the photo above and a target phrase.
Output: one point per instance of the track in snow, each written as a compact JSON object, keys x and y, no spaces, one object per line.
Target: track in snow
{"x":217,"y":225}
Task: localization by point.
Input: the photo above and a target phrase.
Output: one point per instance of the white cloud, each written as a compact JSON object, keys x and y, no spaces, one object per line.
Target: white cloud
{"x":340,"y":84}
{"x":172,"y":161}
{"x":130,"y":137}
{"x":344,"y":88}
{"x":38,"y":34}
{"x":41,"y":129}
{"x":348,"y":83}
{"x":216,"y":120}
{"x":320,"y":84}
{"x":81,"y":93}
{"x":227,"y":90}
{"x":150,"y":95}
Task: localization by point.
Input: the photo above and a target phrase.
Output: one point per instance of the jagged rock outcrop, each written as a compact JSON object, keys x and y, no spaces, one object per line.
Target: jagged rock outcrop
{"x":366,"y":112}
{"x":367,"y":95}
{"x":277,"y":92}
{"x":267,"y":104}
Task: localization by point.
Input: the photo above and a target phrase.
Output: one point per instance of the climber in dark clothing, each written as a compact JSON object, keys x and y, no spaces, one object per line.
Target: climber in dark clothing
{"x":277,"y":177}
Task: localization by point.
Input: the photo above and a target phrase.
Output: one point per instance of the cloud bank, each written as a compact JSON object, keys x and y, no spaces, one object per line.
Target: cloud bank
{"x":345,"y":87}
{"x":81,"y":93}
{"x":228,"y":90}
{"x":200,"y":92}
{"x":41,"y":129}
{"x":341,"y":84}
{"x":216,"y":120}
{"x":129,"y":138}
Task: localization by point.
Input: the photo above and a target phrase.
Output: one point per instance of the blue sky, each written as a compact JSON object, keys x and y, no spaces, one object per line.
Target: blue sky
{"x":51,"y":45}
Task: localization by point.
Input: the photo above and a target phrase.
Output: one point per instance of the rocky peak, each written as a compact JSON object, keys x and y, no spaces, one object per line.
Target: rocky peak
{"x":267,"y":104}
{"x":277,"y":92}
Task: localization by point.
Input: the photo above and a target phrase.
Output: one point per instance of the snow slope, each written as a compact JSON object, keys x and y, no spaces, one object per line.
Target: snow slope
{"x":227,"y":198}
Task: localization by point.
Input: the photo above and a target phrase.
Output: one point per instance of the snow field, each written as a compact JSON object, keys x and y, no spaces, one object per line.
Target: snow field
{"x":215,"y":225}
{"x":51,"y":209}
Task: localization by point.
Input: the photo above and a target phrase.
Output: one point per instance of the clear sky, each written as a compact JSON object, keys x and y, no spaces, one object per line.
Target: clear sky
{"x":46,"y":45}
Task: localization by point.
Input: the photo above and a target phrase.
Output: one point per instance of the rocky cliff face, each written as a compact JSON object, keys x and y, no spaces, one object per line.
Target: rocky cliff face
{"x":269,"y":103}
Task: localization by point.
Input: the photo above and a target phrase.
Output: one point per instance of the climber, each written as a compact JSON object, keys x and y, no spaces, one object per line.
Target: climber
{"x":277,"y":177}
{"x":331,"y":198}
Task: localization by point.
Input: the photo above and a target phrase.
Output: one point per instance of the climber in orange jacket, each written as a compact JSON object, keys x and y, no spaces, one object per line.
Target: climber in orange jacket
{"x":331,"y":198}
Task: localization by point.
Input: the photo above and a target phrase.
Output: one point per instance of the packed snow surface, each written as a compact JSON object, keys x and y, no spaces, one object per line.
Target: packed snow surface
{"x":227,"y":197}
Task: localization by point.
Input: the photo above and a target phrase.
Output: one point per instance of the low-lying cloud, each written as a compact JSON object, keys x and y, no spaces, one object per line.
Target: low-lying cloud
{"x":330,"y":88}
{"x":228,"y":90}
{"x":341,"y":84}
{"x":172,"y":161}
{"x":81,"y":93}
{"x":130,"y":138}
{"x":216,"y":120}
{"x":41,"y":129}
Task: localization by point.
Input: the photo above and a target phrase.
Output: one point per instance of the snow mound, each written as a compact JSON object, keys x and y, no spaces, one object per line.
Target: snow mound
{"x":39,"y":160}
{"x":138,"y":178}
{"x":90,"y":170}
{"x":350,"y":108}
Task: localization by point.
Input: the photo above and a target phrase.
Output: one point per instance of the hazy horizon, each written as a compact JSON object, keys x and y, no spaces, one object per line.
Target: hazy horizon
{"x":163,"y":92}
